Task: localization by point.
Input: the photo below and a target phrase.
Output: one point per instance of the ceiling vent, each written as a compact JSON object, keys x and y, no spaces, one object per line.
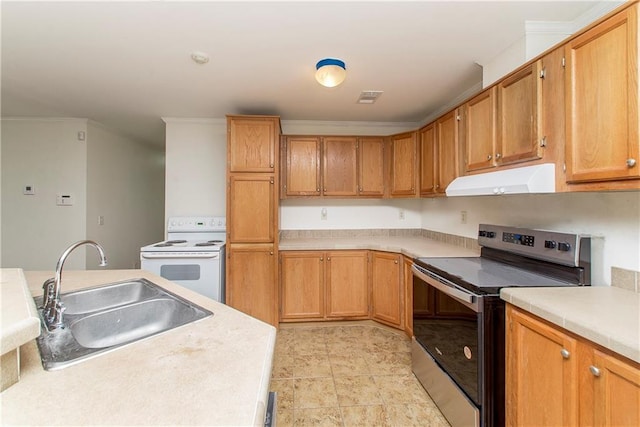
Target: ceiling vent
{"x":369,"y":96}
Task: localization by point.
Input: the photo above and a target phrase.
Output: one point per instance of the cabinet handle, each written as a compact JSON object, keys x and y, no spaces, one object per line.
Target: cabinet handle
{"x":437,"y":186}
{"x":565,"y":353}
{"x":321,"y":259}
{"x":317,"y":190}
{"x":328,"y":258}
{"x":270,"y":165}
{"x":489,"y":157}
{"x":395,"y":262}
{"x":324,"y":189}
{"x":595,"y":371}
{"x":631,"y":163}
{"x":271,"y":181}
{"x":543,"y":73}
{"x":271,"y":253}
{"x":498,"y":156}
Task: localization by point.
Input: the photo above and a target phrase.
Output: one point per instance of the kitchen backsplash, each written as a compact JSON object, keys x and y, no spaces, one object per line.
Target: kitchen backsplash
{"x":625,"y":279}
{"x":452,"y":239}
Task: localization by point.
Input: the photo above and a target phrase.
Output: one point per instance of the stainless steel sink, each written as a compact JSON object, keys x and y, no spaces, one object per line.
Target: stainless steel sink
{"x":103,"y":318}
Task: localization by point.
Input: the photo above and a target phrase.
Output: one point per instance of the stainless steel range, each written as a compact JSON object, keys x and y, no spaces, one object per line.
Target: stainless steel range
{"x":458,"y":350}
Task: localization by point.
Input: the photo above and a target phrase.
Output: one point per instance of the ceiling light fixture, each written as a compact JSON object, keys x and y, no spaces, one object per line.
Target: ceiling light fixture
{"x":330,"y":72}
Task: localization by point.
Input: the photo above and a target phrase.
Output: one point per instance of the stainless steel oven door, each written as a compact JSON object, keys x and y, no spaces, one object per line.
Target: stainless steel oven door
{"x":447,"y":325}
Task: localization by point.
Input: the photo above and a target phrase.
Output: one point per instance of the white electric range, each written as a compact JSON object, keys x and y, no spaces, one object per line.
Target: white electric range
{"x":192,"y":256}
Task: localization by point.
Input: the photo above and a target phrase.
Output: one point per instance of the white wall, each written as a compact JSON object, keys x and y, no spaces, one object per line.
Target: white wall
{"x":305,"y":214}
{"x":196,"y":162}
{"x":125,"y":185}
{"x":612,"y":217}
{"x":46,"y":154}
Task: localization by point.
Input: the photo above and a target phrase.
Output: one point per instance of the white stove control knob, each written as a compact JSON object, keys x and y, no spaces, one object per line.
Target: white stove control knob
{"x":173,"y":223}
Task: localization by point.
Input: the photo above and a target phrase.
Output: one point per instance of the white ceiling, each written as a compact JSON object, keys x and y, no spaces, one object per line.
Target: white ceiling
{"x":127,"y":64}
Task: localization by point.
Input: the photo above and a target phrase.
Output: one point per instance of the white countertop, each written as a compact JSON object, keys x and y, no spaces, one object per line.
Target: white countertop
{"x":605,"y":315}
{"x":20,"y":321}
{"x":212,"y":372}
{"x":413,"y":247}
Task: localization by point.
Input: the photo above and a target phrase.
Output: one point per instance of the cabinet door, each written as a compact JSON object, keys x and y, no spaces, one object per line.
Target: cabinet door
{"x":347,"y":284}
{"x":541,"y":377}
{"x":302,"y":166}
{"x":480,"y":129}
{"x":428,"y":160}
{"x":616,"y":391}
{"x":301,"y":285}
{"x":339,"y":167}
{"x":251,"y":143}
{"x":250,"y":214}
{"x":407,"y":281}
{"x":251,"y":280}
{"x":386,"y":290}
{"x":403,"y":165}
{"x":602,"y":101}
{"x":447,"y":135}
{"x":371,"y":167}
{"x":519,"y":101}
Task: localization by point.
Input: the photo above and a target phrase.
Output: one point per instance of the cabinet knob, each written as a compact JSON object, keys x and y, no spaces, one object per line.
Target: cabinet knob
{"x":395,"y":262}
{"x":437,"y":186}
{"x":328,"y":258}
{"x":270,"y":252}
{"x":317,"y":190}
{"x":321,"y":259}
{"x":498,"y":155}
{"x":489,"y":157}
{"x":595,"y":371}
{"x":271,"y":181}
{"x":565,"y":353}
{"x":270,"y":165}
{"x":324,"y":189}
{"x":631,"y":163}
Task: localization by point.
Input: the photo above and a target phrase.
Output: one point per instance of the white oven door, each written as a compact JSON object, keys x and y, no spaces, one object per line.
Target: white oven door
{"x":199,"y":271}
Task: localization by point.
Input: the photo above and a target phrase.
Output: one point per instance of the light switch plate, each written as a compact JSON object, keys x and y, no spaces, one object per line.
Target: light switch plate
{"x":64,"y":200}
{"x":29,"y":190}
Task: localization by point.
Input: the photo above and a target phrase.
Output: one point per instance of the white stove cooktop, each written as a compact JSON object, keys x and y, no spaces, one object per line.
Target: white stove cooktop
{"x":192,"y":234}
{"x":182,"y":245}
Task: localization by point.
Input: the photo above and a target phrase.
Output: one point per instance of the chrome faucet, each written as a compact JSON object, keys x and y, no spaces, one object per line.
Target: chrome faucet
{"x":53,"y":308}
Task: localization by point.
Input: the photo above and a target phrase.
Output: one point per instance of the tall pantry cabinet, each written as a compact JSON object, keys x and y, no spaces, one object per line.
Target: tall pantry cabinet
{"x":252,"y":215}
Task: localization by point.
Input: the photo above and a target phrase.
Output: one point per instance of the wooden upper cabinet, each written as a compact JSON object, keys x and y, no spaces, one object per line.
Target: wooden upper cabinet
{"x":251,"y":199}
{"x":428,"y":160}
{"x":403,"y":165}
{"x":519,"y":103}
{"x":251,"y":143}
{"x":447,"y":137}
{"x":480,"y":131}
{"x":602,"y":101}
{"x":339,"y":166}
{"x":302,"y":173}
{"x":371,"y":166}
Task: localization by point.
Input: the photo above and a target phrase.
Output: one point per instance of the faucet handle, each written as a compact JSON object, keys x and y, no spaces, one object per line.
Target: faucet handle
{"x":53,"y":316}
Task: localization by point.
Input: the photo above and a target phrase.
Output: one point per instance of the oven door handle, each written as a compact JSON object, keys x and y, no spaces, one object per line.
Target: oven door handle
{"x":175,"y":255}
{"x":449,"y":290}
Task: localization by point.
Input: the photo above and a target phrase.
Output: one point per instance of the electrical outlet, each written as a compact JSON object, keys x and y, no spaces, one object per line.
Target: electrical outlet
{"x":323,"y":214}
{"x":29,"y":190}
{"x":401,"y":214}
{"x":463,"y":217}
{"x":100,"y":220}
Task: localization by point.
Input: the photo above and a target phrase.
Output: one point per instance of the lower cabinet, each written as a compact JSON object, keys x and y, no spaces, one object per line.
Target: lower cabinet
{"x":554,"y":377}
{"x":319,"y":285}
{"x":252,"y":280}
{"x":387,"y":294}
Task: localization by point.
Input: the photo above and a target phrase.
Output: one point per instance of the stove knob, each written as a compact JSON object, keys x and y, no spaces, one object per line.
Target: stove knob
{"x":550,"y":244}
{"x":482,"y":233}
{"x":491,"y":234}
{"x":564,"y":247}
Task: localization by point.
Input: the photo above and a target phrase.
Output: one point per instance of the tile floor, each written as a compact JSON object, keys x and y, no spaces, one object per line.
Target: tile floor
{"x":348,"y":375}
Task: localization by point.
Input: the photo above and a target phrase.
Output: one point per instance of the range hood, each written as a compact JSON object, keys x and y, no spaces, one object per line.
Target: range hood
{"x":525,"y":180}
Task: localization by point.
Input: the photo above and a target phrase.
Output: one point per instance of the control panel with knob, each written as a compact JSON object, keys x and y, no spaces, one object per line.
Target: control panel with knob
{"x":550,"y":244}
{"x":564,"y":247}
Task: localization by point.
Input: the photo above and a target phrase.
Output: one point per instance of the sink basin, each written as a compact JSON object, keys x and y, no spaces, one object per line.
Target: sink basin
{"x":103,"y":318}
{"x":131,"y":322}
{"x":104,"y":297}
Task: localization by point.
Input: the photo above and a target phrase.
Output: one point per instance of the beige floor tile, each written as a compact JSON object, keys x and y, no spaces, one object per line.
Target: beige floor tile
{"x":348,"y":365}
{"x":314,"y":393}
{"x":306,"y":366}
{"x":322,"y":417}
{"x":397,"y":389}
{"x":309,"y":346}
{"x":360,"y":390}
{"x":284,"y":418}
{"x":280,"y":371}
{"x":389,"y":363}
{"x":284,"y":388}
{"x":409,"y":415}
{"x":364,"y":416}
